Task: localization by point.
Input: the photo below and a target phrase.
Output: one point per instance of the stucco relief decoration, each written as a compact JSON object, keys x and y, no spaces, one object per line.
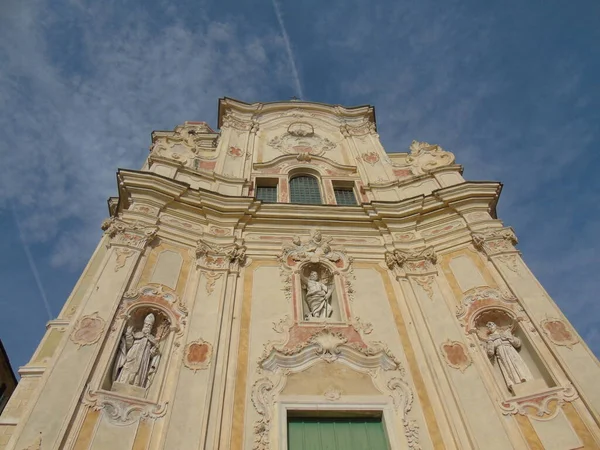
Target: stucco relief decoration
{"x":332,"y":344}
{"x":456,"y":355}
{"x":197,"y":355}
{"x":424,"y":157}
{"x":133,"y":235}
{"x":183,"y":143}
{"x":122,"y":411}
{"x":144,"y":209}
{"x":367,"y":127}
{"x":230,"y":120}
{"x":332,"y":394}
{"x":559,"y":332}
{"x":495,"y":242}
{"x":88,"y":330}
{"x":370,"y":158}
{"x":214,"y":257}
{"x":441,"y":229}
{"x":301,"y":138}
{"x":544,"y":406}
{"x":413,"y":262}
{"x":122,"y":255}
{"x":211,"y":280}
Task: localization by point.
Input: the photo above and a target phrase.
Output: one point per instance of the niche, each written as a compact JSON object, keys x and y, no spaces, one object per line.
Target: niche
{"x":141,"y":353}
{"x":515,"y":364}
{"x":320,"y":296}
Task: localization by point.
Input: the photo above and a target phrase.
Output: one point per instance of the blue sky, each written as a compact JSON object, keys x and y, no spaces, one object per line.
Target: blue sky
{"x":510,"y":87}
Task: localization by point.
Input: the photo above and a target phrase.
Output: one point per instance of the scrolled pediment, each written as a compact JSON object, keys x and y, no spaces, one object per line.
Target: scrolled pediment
{"x":285,"y":163}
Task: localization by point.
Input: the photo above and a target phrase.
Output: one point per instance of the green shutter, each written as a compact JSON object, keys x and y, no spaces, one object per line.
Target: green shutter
{"x":336,"y":434}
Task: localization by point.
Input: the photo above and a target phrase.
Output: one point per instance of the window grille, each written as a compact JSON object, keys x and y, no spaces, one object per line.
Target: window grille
{"x":267,"y":194}
{"x":305,"y":189}
{"x":344,"y":196}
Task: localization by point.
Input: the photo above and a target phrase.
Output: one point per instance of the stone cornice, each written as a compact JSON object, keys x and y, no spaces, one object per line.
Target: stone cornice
{"x":416,"y":213}
{"x":252,"y":109}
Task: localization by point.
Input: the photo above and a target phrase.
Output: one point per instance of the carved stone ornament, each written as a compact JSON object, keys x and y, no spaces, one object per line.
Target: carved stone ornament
{"x":304,"y":346}
{"x":197,"y":355}
{"x":419,"y":262}
{"x":122,"y":255}
{"x":88,"y":330}
{"x":211,"y":279}
{"x":150,"y":296}
{"x":541,"y":405}
{"x":332,"y":394}
{"x":482,"y":297}
{"x":313,"y":250}
{"x":120,"y":410}
{"x":495,"y":242}
{"x":214,"y":257}
{"x":231,"y":121}
{"x":235,"y":152}
{"x":329,"y":346}
{"x":367,"y":127}
{"x":301,"y":138}
{"x":425,"y":157}
{"x":456,"y":355}
{"x":559,"y":332}
{"x":132,"y":235}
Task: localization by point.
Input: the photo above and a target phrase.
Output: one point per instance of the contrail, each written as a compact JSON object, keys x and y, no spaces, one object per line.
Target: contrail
{"x":288,"y":47}
{"x":32,"y":265}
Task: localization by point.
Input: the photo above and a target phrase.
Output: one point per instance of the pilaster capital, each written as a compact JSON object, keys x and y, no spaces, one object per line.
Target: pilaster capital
{"x":214,"y":257}
{"x":132,"y":235}
{"x":412,"y":263}
{"x":495,"y":242}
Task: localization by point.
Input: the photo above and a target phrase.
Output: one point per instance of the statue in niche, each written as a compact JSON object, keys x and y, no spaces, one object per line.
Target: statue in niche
{"x":502,"y":345}
{"x":317,"y":296}
{"x":138,"y":355}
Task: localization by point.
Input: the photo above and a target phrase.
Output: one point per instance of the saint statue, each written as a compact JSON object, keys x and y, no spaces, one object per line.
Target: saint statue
{"x":317,"y":297}
{"x":503,"y":345}
{"x":138,"y":356}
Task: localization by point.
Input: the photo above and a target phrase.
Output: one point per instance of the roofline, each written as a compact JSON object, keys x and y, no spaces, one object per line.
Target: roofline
{"x":292,"y":103}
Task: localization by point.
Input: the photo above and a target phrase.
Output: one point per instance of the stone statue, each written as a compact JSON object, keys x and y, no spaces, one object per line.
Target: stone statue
{"x":503,"y":345}
{"x":138,"y":356}
{"x":317,"y":297}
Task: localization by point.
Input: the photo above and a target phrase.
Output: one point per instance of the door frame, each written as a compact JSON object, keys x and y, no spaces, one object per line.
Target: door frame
{"x":376,"y":405}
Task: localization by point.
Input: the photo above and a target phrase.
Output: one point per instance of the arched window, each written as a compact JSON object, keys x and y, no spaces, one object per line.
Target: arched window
{"x":305,"y":189}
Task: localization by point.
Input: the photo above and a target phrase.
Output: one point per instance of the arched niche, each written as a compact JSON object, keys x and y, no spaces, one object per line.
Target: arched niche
{"x":146,"y":327}
{"x":515,"y":363}
{"x":321,"y":293}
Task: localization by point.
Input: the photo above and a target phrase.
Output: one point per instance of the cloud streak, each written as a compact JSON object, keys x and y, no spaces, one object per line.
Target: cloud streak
{"x":288,"y":48}
{"x":32,"y":266}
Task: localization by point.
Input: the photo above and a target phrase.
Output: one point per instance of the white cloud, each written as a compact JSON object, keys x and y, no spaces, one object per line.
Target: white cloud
{"x":84,"y":85}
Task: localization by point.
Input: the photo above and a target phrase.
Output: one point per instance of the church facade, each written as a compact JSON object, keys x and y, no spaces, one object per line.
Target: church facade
{"x":285,"y":283}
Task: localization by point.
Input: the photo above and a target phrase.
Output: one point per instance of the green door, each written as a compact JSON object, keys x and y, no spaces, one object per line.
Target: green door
{"x":364,"y":433}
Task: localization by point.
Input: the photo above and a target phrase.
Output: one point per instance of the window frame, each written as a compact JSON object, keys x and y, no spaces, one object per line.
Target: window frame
{"x":371,"y":404}
{"x":264,"y":182}
{"x":319,"y":184}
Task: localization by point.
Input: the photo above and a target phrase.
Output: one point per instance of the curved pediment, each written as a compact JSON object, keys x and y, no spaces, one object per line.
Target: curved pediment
{"x":285,"y":163}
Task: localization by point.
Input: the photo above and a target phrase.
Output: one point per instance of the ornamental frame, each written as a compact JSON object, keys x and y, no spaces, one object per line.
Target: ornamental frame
{"x":367,"y":404}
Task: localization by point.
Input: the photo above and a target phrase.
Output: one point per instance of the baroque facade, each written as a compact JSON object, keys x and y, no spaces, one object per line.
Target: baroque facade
{"x":285,"y":273}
